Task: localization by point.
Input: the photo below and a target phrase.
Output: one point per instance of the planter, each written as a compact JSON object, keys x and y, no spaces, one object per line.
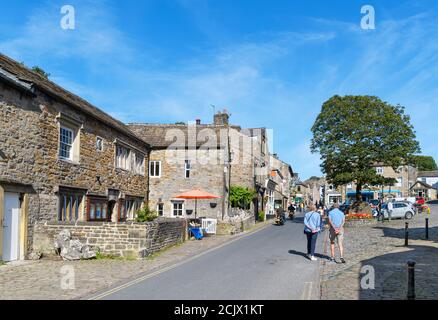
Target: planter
{"x":360,"y":223}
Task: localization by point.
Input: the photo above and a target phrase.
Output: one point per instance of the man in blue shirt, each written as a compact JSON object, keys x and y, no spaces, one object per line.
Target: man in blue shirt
{"x":312,"y":225}
{"x":336,"y":222}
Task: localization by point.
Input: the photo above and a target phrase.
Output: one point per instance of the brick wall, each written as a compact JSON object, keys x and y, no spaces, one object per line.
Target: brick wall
{"x":120,"y":239}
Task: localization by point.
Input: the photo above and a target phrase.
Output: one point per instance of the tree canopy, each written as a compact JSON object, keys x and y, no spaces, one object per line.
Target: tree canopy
{"x":354,"y":134}
{"x":425,"y":163}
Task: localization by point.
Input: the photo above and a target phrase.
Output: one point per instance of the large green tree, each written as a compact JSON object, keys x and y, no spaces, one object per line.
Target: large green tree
{"x":425,"y":163}
{"x":353,"y":134}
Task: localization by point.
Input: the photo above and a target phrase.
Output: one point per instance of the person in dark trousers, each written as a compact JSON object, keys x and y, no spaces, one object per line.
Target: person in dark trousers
{"x":312,"y":226}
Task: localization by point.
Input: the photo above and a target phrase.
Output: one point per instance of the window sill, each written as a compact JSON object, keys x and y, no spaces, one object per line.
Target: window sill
{"x":130,"y":172}
{"x":69,"y":161}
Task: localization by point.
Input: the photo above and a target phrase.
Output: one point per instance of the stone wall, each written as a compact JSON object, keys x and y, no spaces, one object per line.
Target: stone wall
{"x":119,"y":239}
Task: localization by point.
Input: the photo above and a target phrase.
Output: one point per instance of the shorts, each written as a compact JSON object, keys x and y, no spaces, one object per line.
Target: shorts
{"x":339,"y":237}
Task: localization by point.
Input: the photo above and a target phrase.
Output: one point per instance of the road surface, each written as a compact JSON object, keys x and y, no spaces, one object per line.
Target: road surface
{"x":268,"y":264}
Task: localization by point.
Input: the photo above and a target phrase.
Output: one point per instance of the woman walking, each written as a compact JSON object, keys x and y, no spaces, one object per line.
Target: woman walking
{"x":312,"y":226}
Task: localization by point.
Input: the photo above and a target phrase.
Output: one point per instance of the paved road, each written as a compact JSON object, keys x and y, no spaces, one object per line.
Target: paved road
{"x":268,"y":264}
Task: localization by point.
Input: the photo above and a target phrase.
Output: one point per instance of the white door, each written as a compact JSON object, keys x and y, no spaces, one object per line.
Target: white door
{"x":11,"y":227}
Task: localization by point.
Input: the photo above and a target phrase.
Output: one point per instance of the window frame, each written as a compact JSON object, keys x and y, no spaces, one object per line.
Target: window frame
{"x":123,"y":163}
{"x":160,"y":210}
{"x":63,"y":215}
{"x":139,"y":166}
{"x":178,"y":209}
{"x":73,"y":132}
{"x":92,"y":203}
{"x":102,"y":144}
{"x":154,"y":176}
{"x":187,"y":169}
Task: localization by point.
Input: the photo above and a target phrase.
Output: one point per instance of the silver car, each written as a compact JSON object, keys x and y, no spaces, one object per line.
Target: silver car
{"x":401,"y":210}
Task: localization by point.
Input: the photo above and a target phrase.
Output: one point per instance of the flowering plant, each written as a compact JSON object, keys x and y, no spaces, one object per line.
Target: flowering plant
{"x":359,"y":216}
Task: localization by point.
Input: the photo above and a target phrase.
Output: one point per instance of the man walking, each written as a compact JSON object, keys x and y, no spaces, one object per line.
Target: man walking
{"x":390,"y":209}
{"x":312,"y":225}
{"x":336,"y":223}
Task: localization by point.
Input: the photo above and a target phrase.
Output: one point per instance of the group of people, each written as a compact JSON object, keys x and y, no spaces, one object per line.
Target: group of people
{"x":314,"y":224}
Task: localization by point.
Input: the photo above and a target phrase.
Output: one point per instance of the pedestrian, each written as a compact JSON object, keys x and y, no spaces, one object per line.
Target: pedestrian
{"x":380,"y":214}
{"x":312,"y":226}
{"x":336,"y":220}
{"x":390,"y":208}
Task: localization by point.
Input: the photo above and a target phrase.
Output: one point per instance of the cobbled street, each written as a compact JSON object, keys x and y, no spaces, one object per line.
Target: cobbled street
{"x":381,"y":246}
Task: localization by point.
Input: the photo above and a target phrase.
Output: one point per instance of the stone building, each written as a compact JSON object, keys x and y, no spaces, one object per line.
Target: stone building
{"x":281,"y":174}
{"x":429,"y":177}
{"x":212,"y":157}
{"x":405,"y":177}
{"x":424,"y":190}
{"x":61,"y":159}
{"x":185,"y":157}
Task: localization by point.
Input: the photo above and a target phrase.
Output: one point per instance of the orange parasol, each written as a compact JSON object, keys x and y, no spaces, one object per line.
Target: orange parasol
{"x":196,"y":194}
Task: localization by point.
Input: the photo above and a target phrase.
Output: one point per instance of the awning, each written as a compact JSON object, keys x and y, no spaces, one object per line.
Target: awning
{"x":364,"y":193}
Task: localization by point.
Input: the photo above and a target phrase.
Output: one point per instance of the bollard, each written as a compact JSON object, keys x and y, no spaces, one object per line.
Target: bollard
{"x":411,"y":280}
{"x":427,"y":228}
{"x":406,"y":234}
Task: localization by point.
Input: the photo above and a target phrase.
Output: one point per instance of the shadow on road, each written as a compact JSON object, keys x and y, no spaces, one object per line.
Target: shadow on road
{"x":304,"y":255}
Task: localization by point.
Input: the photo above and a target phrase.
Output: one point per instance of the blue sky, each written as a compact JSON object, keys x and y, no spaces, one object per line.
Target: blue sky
{"x":270,"y":63}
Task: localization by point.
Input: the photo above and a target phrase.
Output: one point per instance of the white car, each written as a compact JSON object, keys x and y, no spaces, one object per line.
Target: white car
{"x":403,"y":210}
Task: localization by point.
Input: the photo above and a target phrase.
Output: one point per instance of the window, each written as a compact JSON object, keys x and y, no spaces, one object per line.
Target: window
{"x":122,"y":158}
{"x":399,"y":182}
{"x":187,"y":168}
{"x":69,"y":206}
{"x":178,"y":208}
{"x":99,"y":144}
{"x":129,"y":207}
{"x":66,"y":140}
{"x":155,"y":169}
{"x":160,"y":209}
{"x":97,"y":209}
{"x":138,"y":163}
{"x":379,"y":170}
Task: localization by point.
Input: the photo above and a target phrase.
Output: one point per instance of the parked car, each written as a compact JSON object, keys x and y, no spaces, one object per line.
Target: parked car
{"x":401,"y":210}
{"x":432,"y":202}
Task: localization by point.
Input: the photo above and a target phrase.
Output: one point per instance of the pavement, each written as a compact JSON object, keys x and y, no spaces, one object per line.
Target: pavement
{"x":379,"y":250}
{"x":266,"y":262}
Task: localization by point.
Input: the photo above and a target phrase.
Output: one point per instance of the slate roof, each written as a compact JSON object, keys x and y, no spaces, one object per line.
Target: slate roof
{"x":155,"y":134}
{"x":23,"y":78}
{"x":428,"y":186}
{"x":427,"y":174}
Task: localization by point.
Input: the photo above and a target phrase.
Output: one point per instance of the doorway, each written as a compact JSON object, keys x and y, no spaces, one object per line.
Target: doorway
{"x":11,"y":227}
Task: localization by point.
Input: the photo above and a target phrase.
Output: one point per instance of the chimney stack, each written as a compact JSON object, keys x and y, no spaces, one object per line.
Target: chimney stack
{"x":221,"y":118}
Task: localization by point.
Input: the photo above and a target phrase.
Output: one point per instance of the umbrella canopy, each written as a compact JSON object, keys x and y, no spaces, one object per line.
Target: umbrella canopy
{"x":196,"y":194}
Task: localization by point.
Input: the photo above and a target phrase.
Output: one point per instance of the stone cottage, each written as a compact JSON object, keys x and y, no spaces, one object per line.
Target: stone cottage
{"x":61,"y":159}
{"x":212,"y":157}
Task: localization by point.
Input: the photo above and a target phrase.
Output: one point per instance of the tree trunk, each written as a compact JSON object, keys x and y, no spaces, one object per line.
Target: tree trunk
{"x":359,"y":193}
